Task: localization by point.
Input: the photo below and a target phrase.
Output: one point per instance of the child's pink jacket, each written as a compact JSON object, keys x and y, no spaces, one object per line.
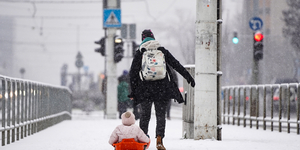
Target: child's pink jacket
{"x":128,"y":130}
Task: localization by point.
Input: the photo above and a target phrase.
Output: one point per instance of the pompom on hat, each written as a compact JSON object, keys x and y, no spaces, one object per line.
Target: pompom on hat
{"x":128,"y":118}
{"x":147,"y":33}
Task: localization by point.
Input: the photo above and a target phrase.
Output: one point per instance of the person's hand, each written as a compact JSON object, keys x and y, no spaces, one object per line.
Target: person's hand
{"x":130,"y":96}
{"x":191,"y":81}
{"x":148,"y":144}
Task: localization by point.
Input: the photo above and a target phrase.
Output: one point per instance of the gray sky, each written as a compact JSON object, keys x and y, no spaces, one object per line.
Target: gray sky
{"x":46,"y":37}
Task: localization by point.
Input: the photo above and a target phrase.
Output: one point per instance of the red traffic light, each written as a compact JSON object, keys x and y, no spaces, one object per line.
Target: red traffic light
{"x":258,"y":37}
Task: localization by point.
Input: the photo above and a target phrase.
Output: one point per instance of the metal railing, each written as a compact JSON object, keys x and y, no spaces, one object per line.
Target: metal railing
{"x":28,"y":107}
{"x":274,"y":106}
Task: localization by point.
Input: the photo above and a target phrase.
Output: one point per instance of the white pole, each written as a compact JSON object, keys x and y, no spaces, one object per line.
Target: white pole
{"x":205,"y":109}
{"x":111,"y":104}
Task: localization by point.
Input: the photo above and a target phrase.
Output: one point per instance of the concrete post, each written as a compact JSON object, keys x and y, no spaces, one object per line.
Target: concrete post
{"x":188,"y":106}
{"x":205,"y":119}
{"x":111,"y":104}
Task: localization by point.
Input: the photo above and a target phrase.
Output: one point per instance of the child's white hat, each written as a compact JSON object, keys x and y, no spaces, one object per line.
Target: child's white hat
{"x":128,"y":118}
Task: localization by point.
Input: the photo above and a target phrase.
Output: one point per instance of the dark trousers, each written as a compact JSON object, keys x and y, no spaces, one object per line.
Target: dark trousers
{"x":122,"y":108}
{"x":160,"y":113}
{"x":136,"y":111}
{"x":169,"y":108}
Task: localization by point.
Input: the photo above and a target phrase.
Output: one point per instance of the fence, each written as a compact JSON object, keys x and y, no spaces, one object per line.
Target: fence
{"x":274,"y":106}
{"x":28,"y":107}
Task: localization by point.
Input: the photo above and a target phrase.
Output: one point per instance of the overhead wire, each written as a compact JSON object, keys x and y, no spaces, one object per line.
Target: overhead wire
{"x":166,"y":10}
{"x":25,"y":7}
{"x":53,"y":28}
{"x":33,"y":14}
{"x":61,"y":1}
{"x":49,"y":1}
{"x":33,"y":2}
{"x":55,"y":17}
{"x":52,"y":43}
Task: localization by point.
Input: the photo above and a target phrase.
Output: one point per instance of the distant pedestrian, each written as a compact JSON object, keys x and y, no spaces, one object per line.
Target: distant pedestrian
{"x":123,"y":91}
{"x":128,"y":130}
{"x":124,"y":76}
{"x":155,"y":84}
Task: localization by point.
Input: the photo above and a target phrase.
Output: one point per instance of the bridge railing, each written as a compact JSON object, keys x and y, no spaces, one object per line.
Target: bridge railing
{"x":274,"y":106}
{"x":28,"y":107}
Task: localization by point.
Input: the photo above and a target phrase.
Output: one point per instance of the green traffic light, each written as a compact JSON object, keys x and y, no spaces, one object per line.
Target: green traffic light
{"x":235,"y":40}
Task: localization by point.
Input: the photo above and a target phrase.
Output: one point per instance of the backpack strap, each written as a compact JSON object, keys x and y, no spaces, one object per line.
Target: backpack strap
{"x":168,"y":76}
{"x":141,"y":76}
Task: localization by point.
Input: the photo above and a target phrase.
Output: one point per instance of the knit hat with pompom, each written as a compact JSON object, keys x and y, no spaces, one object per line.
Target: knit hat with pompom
{"x":128,"y":118}
{"x":147,"y":33}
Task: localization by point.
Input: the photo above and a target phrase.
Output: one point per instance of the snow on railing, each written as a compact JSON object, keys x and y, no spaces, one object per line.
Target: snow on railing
{"x":28,"y":107}
{"x":269,"y":106}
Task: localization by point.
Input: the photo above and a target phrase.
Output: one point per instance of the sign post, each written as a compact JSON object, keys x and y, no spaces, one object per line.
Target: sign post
{"x":79,"y":64}
{"x":111,"y":21}
{"x":255,"y":24}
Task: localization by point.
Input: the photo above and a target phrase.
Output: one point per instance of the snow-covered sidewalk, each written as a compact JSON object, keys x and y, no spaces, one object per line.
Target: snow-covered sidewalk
{"x":91,"y":132}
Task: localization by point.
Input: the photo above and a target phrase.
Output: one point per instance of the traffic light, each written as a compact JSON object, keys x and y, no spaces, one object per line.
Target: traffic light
{"x":118,"y":49}
{"x":101,"y":49}
{"x":235,"y":39}
{"x":134,"y":48}
{"x":258,"y":46}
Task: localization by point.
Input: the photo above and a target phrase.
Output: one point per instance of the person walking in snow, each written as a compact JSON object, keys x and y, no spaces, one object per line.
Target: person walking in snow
{"x":145,"y":91}
{"x":123,"y":91}
{"x":128,"y":130}
{"x":122,"y":106}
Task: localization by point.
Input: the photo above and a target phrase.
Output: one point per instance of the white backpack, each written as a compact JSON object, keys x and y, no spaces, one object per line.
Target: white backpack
{"x":153,"y":65}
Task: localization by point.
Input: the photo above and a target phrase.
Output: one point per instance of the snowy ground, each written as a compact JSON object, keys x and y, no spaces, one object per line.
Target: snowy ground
{"x":92,"y":133}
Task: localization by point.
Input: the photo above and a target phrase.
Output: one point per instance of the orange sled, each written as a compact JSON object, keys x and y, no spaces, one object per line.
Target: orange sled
{"x":130,"y":144}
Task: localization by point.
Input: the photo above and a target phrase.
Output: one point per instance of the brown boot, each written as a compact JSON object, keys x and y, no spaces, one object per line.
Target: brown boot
{"x":159,"y":143}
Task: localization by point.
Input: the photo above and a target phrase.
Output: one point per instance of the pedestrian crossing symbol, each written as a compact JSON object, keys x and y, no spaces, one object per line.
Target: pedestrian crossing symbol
{"x":112,"y":18}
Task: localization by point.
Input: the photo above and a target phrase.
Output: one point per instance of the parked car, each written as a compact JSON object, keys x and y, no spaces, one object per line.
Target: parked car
{"x":236,"y":99}
{"x":293,"y":95}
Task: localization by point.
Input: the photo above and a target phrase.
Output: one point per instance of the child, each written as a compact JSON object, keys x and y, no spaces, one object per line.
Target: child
{"x":128,"y":130}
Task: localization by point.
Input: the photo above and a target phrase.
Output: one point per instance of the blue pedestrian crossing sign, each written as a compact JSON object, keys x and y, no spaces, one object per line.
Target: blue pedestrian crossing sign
{"x":112,"y":18}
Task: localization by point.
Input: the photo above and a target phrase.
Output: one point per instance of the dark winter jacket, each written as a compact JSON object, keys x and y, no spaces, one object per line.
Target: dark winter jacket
{"x":165,"y":88}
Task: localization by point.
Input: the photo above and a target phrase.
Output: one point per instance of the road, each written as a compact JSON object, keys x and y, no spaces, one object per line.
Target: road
{"x":91,"y":132}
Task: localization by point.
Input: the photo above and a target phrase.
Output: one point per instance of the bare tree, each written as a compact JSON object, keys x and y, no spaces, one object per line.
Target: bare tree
{"x":292,"y":21}
{"x":181,"y":34}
